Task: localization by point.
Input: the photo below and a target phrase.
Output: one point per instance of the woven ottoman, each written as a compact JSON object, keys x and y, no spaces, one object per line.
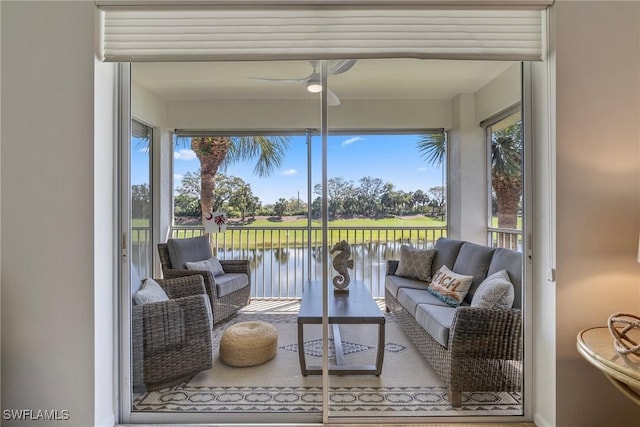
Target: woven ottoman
{"x":248,"y":344}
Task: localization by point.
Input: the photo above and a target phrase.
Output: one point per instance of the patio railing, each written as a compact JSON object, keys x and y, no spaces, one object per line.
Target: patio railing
{"x":505,"y":238}
{"x":281,"y":263}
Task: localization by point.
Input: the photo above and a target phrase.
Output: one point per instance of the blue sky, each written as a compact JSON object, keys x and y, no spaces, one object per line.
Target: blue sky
{"x":392,"y":158}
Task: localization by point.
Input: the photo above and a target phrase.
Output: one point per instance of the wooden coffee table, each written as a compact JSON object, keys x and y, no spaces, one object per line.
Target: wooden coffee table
{"x":356,"y":307}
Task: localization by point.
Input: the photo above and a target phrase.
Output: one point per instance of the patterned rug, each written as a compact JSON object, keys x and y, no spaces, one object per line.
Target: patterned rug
{"x":407,"y":387}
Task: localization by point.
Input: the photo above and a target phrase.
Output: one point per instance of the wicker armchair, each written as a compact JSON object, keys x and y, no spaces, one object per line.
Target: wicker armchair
{"x":223,"y":305}
{"x":171,"y":340}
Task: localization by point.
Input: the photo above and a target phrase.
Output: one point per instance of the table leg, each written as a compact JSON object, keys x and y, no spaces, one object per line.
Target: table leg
{"x":337,"y":344}
{"x":301,"y":356}
{"x":380,"y":355}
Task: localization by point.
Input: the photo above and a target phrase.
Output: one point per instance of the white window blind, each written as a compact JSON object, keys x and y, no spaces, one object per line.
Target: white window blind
{"x":218,"y":34}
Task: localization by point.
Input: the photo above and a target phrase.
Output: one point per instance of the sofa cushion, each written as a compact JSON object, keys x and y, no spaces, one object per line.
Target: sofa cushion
{"x":436,"y":320}
{"x":410,"y":298}
{"x":394,"y":283}
{"x":192,"y":249}
{"x":211,"y":264}
{"x":473,"y":260}
{"x":150,"y":292}
{"x":230,"y":282}
{"x":496,"y":291}
{"x":446,"y":253}
{"x":506,"y":259}
{"x":415,"y":263}
{"x":450,"y":287}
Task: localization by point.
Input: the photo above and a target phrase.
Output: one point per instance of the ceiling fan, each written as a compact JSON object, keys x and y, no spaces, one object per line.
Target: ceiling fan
{"x":313,"y":82}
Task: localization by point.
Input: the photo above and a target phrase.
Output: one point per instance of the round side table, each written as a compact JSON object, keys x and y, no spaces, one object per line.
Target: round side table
{"x":623,"y":370}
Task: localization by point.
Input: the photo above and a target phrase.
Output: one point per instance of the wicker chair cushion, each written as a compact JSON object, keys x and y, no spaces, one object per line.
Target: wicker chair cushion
{"x":496,"y":291}
{"x":230,"y":282}
{"x":436,"y":320}
{"x":394,"y":283}
{"x":211,"y":264}
{"x":473,"y":260}
{"x":415,"y":263}
{"x":192,"y":249}
{"x":150,"y":292}
{"x":410,"y":298}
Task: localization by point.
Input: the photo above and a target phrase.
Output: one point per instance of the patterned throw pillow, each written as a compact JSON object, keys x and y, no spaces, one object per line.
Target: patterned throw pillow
{"x":211,"y":264}
{"x":415,"y":263}
{"x":496,"y":291}
{"x":450,"y":287}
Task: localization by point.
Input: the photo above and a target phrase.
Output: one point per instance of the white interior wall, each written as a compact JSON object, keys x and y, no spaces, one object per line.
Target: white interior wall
{"x":351,"y":114}
{"x":104,"y":229}
{"x":598,"y":196}
{"x":49,"y":243}
{"x":467,"y":173}
{"x":500,"y":93}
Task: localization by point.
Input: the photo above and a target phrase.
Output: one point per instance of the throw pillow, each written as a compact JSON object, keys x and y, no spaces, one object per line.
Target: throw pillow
{"x":415,"y":263}
{"x":450,"y":287}
{"x":150,"y":292}
{"x":496,"y":291}
{"x":211,"y":264}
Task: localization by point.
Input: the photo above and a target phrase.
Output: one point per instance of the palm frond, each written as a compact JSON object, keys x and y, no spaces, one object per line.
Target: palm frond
{"x":433,"y":148}
{"x":268,"y":150}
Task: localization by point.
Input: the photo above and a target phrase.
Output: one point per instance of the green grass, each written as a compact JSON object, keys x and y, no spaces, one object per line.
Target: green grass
{"x":263,"y":233}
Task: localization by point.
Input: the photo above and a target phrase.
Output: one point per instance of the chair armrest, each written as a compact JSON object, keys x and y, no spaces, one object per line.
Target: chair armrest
{"x":181,"y":287}
{"x":236,"y":266}
{"x":198,"y":316}
{"x":209,"y":282}
{"x":487,"y":333}
{"x":176,"y":322}
{"x":392,"y":266}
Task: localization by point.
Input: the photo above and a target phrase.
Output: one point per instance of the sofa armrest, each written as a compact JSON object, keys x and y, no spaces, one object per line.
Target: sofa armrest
{"x":392,"y":266}
{"x":486,"y":333}
{"x":185,"y":286}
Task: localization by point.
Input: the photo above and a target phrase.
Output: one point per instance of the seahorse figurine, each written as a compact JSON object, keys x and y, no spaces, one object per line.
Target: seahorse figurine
{"x":341,"y":263}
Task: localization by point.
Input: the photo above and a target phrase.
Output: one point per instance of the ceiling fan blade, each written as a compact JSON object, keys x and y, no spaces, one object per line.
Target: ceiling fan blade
{"x":332,"y":99}
{"x":341,"y":66}
{"x":279,"y":80}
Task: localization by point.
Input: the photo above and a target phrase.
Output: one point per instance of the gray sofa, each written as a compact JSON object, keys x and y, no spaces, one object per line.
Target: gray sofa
{"x":471,"y":348}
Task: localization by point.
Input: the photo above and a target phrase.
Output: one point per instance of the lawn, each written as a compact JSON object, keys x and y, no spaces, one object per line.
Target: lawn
{"x":292,"y":232}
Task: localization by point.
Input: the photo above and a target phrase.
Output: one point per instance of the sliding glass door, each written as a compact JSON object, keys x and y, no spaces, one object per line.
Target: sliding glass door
{"x":372,"y":155}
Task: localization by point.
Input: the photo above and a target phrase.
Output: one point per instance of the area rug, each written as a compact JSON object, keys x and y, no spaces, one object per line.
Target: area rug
{"x":408,"y":386}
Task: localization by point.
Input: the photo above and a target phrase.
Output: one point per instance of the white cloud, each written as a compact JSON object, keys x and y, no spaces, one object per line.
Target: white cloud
{"x":422,"y":169}
{"x":352,"y":140}
{"x":177,"y":179}
{"x":289,"y":172}
{"x":184,"y":154}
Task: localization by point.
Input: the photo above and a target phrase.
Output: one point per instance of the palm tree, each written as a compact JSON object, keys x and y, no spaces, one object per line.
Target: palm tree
{"x":506,"y":168}
{"x":218,"y":152}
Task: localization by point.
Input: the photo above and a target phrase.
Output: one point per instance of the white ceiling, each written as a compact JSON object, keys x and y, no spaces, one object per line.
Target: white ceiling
{"x":368,"y":79}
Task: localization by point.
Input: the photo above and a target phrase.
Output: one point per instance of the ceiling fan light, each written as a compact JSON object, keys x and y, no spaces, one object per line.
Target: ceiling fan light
{"x":314,"y":87}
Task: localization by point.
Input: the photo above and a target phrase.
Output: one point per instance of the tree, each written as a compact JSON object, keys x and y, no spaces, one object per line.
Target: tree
{"x":506,"y":169}
{"x":506,"y":173}
{"x":218,"y":152}
{"x":140,"y":201}
{"x":280,"y":207}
